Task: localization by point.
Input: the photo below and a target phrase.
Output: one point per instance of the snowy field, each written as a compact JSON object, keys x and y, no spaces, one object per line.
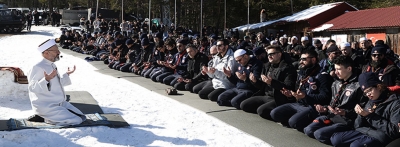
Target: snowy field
{"x":154,"y":119}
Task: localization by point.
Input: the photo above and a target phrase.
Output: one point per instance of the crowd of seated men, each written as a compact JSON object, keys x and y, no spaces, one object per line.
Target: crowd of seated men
{"x":341,"y":94}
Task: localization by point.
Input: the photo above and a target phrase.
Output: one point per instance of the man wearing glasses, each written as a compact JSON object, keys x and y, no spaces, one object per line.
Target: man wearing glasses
{"x":312,"y":87}
{"x":244,"y":88}
{"x":383,"y":68}
{"x":276,"y":74}
{"x":46,"y":90}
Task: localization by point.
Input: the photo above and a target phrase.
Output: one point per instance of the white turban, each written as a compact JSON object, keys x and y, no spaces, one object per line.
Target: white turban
{"x":46,"y":45}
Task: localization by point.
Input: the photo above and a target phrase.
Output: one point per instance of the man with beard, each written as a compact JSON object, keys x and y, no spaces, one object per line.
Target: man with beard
{"x":383,"y":68}
{"x":311,"y":88}
{"x":244,"y":88}
{"x":46,"y":90}
{"x":275,"y":75}
{"x":180,"y":64}
{"x":193,"y":75}
{"x":327,"y":64}
{"x":338,"y":115}
{"x":223,"y":60}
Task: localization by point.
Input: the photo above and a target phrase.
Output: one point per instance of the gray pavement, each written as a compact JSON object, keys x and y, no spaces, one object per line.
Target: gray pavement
{"x":268,"y":131}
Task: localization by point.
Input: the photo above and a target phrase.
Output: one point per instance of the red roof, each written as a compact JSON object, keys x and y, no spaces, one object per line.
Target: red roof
{"x":367,"y":19}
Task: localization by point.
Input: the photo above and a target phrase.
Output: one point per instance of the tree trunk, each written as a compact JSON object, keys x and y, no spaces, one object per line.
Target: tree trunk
{"x":50,"y":6}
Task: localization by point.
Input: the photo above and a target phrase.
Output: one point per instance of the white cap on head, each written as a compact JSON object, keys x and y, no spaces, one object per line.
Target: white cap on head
{"x":294,"y":37}
{"x":345,"y":44}
{"x":363,"y":39}
{"x":304,"y":38}
{"x":239,"y":52}
{"x":273,"y":42}
{"x":41,"y":48}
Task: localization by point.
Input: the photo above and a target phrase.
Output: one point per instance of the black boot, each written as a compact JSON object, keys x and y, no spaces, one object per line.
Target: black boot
{"x":36,"y":118}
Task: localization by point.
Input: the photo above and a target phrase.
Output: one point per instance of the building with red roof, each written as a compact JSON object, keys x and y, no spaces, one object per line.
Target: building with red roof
{"x":375,"y":24}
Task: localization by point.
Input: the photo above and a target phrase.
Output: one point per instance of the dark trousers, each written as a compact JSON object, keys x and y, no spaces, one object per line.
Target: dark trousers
{"x":146,"y":70}
{"x":262,"y":105}
{"x":196,"y":89}
{"x":160,"y":78}
{"x":185,"y":86}
{"x":208,"y":92}
{"x":322,"y":129}
{"x":354,"y":138}
{"x":155,"y":74}
{"x":171,"y":79}
{"x":295,"y":115}
{"x":28,"y":27}
{"x":125,"y":67}
{"x":233,"y":97}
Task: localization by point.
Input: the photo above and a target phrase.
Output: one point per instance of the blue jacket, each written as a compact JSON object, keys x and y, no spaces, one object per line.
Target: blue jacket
{"x":317,"y":86}
{"x":255,"y":66}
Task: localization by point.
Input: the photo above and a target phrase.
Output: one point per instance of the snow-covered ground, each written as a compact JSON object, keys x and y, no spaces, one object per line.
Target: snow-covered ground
{"x":154,"y":119}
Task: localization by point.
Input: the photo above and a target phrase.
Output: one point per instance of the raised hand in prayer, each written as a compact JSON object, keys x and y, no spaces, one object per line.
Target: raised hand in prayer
{"x":286,"y":92}
{"x":227,"y":71}
{"x":180,"y":79}
{"x":252,"y":77}
{"x":320,"y":108}
{"x":337,"y":111}
{"x":71,"y":71}
{"x":241,"y":76}
{"x":361,"y":111}
{"x":204,"y":70}
{"x":50,"y":76}
{"x":266,"y":79}
{"x":298,"y":94}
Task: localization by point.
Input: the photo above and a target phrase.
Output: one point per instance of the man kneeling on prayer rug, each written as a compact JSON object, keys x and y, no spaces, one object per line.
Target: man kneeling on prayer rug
{"x":46,"y":90}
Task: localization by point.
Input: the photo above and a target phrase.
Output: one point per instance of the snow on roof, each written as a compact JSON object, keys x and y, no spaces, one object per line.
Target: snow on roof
{"x":322,"y":27}
{"x":255,"y":26}
{"x":299,"y":16}
{"x":310,"y":12}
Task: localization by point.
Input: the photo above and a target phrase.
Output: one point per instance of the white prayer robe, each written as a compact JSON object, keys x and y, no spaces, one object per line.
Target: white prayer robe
{"x":49,"y":101}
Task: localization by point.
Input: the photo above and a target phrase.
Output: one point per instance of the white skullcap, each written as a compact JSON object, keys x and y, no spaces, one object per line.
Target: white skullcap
{"x":46,"y":45}
{"x":239,"y":52}
{"x":345,"y":44}
{"x":304,"y":38}
{"x":294,"y":37}
{"x":273,"y":42}
{"x":363,"y":39}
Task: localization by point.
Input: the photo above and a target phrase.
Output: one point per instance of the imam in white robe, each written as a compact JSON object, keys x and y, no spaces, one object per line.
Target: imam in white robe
{"x":48,"y":98}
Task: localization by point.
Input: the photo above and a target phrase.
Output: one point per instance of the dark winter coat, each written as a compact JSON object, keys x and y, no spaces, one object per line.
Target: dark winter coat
{"x":254,"y":66}
{"x":317,"y":86}
{"x":283,"y":76}
{"x":194,"y":67}
{"x":382,"y":124}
